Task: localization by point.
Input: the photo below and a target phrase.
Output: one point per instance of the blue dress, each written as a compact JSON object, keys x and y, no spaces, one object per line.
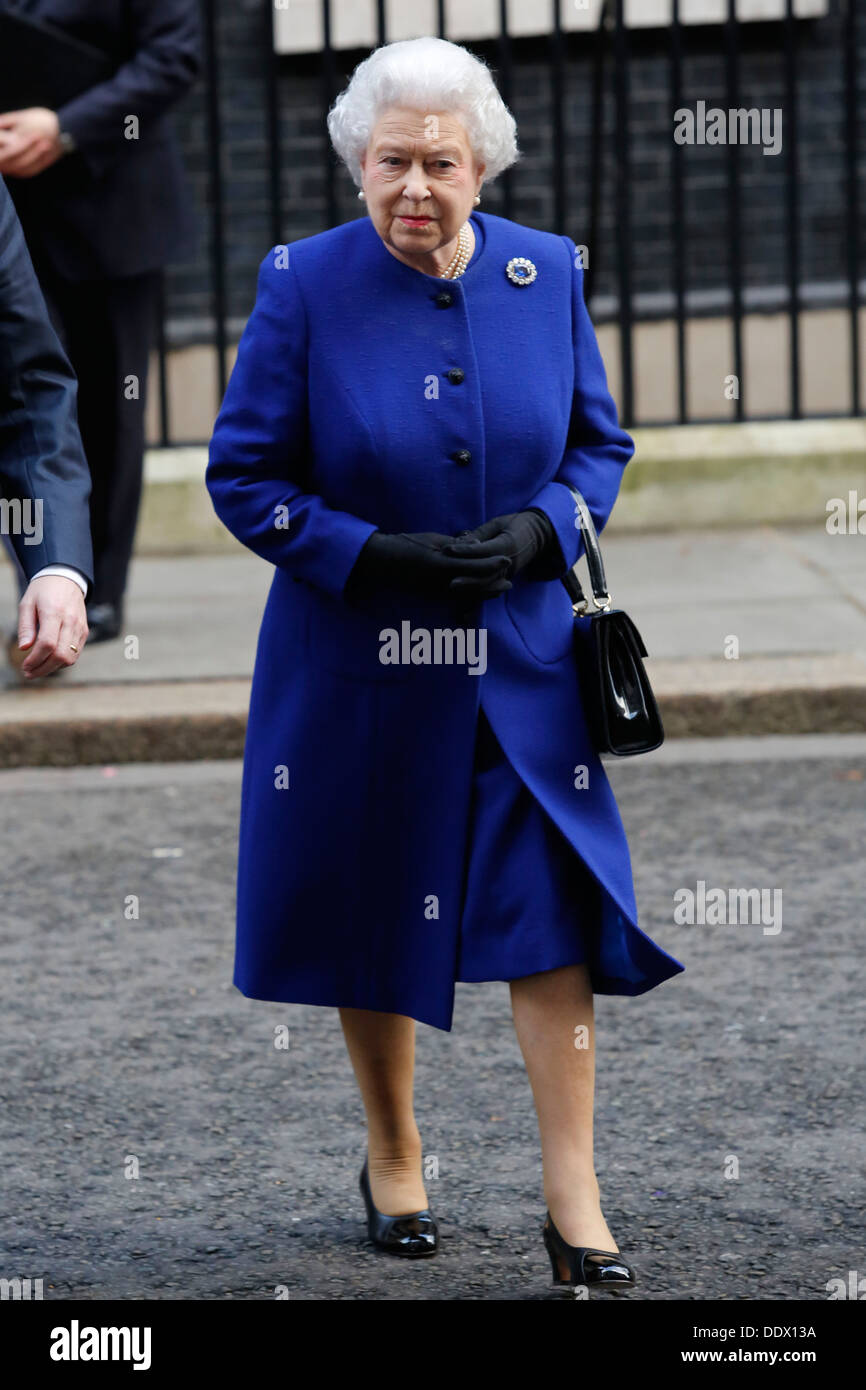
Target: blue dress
{"x":514,"y":923}
{"x":408,"y":824}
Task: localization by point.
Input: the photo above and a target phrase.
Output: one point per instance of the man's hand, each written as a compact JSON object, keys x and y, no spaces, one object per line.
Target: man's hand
{"x":51,"y":615}
{"x":29,"y":141}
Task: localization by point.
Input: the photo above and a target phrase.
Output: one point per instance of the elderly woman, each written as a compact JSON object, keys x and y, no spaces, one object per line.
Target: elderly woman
{"x":421,"y":803}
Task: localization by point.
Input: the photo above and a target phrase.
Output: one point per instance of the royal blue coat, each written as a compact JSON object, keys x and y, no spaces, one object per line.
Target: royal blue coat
{"x":340,"y":417}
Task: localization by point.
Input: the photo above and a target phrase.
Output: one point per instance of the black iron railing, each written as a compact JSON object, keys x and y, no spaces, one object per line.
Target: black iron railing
{"x":605,"y":57}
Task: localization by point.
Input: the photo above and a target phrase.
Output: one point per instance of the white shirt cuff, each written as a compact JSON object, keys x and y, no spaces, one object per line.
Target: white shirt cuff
{"x":65,"y":572}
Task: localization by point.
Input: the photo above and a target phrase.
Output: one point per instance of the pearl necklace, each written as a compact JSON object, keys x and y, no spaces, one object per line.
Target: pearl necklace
{"x":460,"y":259}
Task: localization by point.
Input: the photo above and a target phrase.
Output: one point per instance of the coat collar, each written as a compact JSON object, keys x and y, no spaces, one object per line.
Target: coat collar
{"x":487,"y":234}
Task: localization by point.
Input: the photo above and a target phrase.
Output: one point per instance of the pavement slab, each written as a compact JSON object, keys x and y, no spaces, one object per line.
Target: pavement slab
{"x":755,"y":631}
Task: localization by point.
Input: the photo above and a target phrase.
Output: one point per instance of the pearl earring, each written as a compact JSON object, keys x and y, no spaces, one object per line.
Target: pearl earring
{"x":362,"y":195}
{"x":477,"y":200}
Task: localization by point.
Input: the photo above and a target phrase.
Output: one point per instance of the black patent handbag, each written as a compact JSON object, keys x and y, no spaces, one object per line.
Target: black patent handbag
{"x":619,"y":703}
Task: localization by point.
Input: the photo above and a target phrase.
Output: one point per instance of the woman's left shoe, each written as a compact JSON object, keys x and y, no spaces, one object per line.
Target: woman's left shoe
{"x":580,"y":1266}
{"x":414,"y":1235}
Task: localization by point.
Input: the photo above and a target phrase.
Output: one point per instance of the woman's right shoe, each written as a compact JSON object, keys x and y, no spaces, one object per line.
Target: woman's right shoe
{"x":414,"y":1235}
{"x":580,"y":1266}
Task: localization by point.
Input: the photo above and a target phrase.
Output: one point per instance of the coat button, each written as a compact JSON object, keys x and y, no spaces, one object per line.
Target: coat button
{"x":462,"y":457}
{"x":444,"y":300}
{"x":456,"y":375}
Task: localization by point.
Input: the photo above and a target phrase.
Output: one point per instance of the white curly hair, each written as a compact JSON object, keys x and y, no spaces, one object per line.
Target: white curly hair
{"x":426,"y":74}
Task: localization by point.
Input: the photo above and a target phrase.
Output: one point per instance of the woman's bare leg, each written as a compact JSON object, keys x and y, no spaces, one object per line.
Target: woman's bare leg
{"x":548,"y":1010}
{"x":382,"y":1050}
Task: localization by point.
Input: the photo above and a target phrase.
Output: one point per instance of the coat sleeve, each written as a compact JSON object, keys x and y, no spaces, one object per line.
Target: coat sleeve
{"x":258,"y":452}
{"x":166,"y":61}
{"x":596,"y":450}
{"x":42,"y":463}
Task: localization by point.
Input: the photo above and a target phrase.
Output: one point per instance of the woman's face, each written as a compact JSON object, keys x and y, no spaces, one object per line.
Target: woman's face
{"x":420,"y":179}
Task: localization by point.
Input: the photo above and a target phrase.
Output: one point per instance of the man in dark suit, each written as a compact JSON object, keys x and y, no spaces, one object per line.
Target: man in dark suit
{"x":44,"y":481}
{"x":100,"y":192}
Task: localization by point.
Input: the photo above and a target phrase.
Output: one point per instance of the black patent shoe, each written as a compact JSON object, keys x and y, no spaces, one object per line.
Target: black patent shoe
{"x":414,"y":1235}
{"x":104,"y":622}
{"x":580,"y":1266}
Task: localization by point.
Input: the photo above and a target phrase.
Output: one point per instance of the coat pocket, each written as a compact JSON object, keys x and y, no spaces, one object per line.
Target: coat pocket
{"x":542,"y":614}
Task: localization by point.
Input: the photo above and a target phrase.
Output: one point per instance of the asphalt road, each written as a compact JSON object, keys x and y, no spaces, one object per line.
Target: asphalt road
{"x":126,"y":1049}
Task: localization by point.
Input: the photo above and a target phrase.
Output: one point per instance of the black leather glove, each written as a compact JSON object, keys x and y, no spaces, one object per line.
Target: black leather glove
{"x":419,"y":563}
{"x":526,"y":539}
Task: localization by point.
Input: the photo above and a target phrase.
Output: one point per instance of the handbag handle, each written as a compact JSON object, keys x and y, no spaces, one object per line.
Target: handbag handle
{"x":597,"y":579}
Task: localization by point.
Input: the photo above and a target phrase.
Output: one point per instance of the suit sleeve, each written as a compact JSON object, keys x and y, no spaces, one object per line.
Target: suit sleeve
{"x":165,"y":63}
{"x":259,"y":450}
{"x":597,"y":450}
{"x":43,"y":471}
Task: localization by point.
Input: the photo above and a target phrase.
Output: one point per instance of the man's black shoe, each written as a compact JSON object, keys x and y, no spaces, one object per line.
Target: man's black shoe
{"x":104,"y":621}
